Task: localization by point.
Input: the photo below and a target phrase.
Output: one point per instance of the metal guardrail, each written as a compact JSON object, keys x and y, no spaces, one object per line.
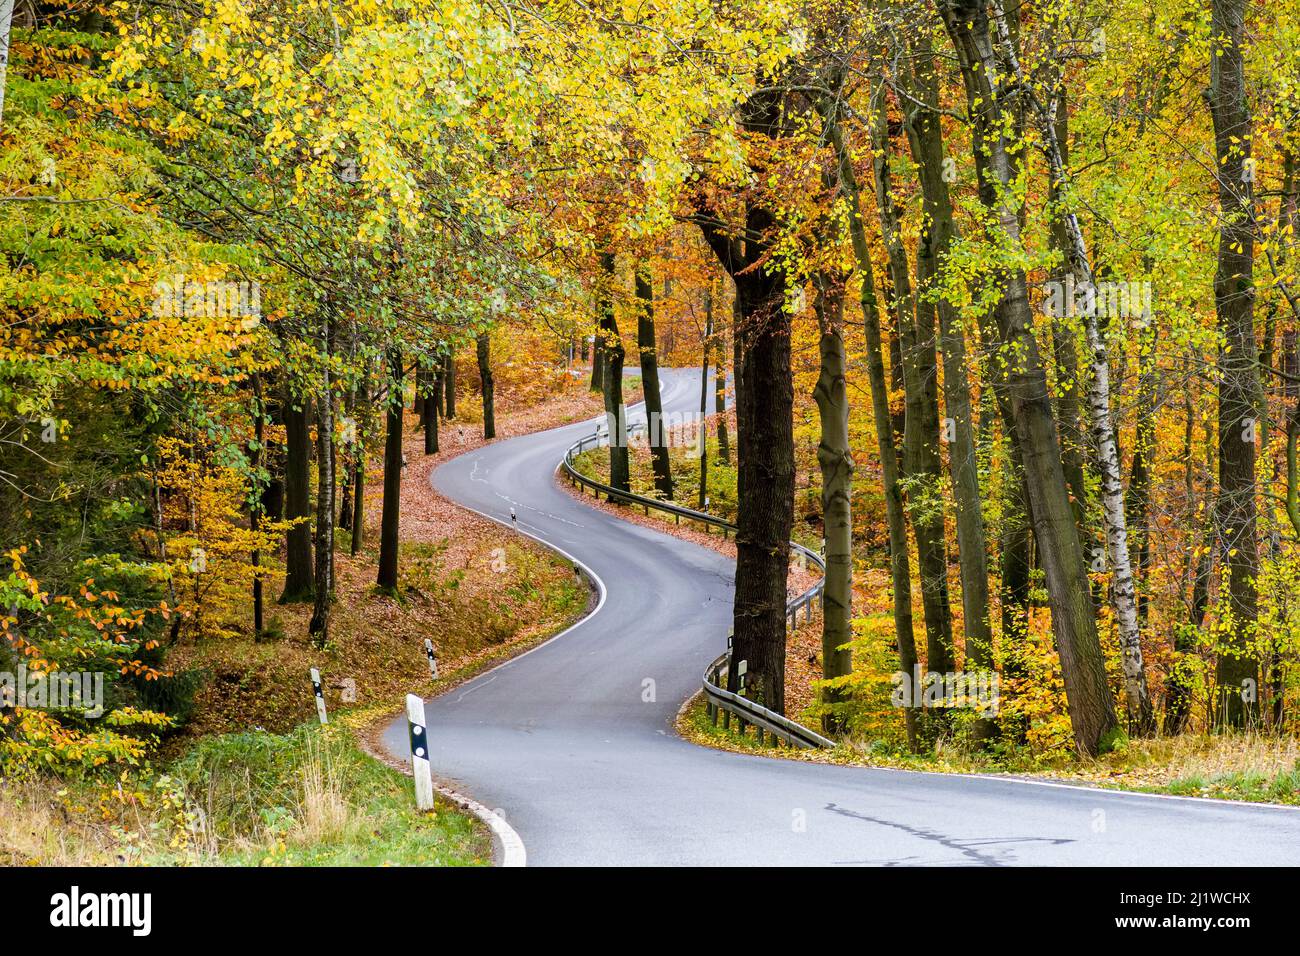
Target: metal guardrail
{"x":719,"y":700}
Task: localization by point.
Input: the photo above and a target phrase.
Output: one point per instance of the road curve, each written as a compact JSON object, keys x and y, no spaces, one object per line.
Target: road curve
{"x":587,"y":769}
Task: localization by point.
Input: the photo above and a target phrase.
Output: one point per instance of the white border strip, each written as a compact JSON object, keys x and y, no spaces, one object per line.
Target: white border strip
{"x":510,"y":845}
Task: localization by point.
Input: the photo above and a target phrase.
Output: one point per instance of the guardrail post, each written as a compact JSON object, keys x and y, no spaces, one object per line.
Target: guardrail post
{"x":320,"y":696}
{"x":741,"y":669}
{"x":419,"y":752}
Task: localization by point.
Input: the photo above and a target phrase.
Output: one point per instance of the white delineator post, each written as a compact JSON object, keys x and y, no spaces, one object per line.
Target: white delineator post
{"x":419,"y":752}
{"x":320,"y":696}
{"x":433,"y":658}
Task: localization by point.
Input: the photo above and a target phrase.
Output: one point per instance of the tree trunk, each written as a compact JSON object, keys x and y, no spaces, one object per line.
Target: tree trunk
{"x":704,"y":400}
{"x":720,"y":396}
{"x":298,"y":565}
{"x":654,"y":409}
{"x":835,"y":459}
{"x":921,"y":462}
{"x":899,"y":563}
{"x":359,"y":463}
{"x":390,"y":519}
{"x":738,"y":367}
{"x":483,"y":348}
{"x":422,"y":379}
{"x":1065,"y":352}
{"x":1237,"y":674}
{"x":1092,"y":711}
{"x":925,"y":134}
{"x":1179,"y":686}
{"x":318,"y":627}
{"x":255,"y":518}
{"x":439,"y":383}
{"x":598,"y":362}
{"x":612,"y":356}
{"x":1138,"y":501}
{"x":431,"y":415}
{"x":449,"y":383}
{"x":766,"y":453}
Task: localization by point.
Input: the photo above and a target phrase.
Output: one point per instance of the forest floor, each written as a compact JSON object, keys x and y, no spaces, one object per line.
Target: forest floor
{"x":252,"y":779}
{"x":1243,"y":766}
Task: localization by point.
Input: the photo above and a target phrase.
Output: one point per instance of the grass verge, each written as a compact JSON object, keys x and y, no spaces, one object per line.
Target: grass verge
{"x":310,"y":797}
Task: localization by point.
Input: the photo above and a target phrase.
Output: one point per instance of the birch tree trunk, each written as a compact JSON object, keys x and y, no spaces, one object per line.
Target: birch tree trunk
{"x":6,"y":25}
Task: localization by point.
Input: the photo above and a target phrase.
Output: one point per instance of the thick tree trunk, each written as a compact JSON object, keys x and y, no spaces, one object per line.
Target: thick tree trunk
{"x":766,"y":452}
{"x":1092,"y":710}
{"x":390,"y":519}
{"x":1237,"y":674}
{"x":835,"y":460}
{"x":921,"y":462}
{"x":654,"y":409}
{"x":899,"y":564}
{"x":925,"y":134}
{"x":299,"y":578}
{"x":483,"y":349}
{"x":612,"y":356}
{"x":766,"y":513}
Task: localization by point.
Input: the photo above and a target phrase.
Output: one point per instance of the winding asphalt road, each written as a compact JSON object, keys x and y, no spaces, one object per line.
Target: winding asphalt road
{"x":588,"y":771}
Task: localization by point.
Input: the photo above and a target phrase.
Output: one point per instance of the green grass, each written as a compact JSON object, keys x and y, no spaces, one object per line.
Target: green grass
{"x":310,"y":797}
